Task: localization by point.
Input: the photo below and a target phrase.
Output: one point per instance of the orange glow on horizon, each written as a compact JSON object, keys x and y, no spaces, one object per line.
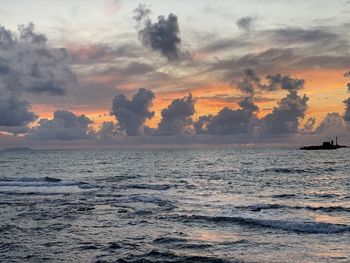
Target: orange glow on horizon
{"x":326,"y":90}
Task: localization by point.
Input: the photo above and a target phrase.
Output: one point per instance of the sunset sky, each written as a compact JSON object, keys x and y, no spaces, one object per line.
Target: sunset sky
{"x":230,"y":71}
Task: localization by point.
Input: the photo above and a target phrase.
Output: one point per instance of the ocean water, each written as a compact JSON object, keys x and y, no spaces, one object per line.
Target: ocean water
{"x":175,"y":205}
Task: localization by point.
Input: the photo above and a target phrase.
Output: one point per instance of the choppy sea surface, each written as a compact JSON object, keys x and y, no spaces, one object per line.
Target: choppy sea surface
{"x":175,"y":205}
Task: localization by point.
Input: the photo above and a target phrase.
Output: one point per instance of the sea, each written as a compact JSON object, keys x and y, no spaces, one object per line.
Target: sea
{"x":214,"y":204}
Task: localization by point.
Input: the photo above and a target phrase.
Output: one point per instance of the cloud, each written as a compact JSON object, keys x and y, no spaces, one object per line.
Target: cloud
{"x":228,"y":121}
{"x":65,"y":126}
{"x":14,"y":112}
{"x":266,"y":61}
{"x":162,"y":36}
{"x":29,"y":65}
{"x":108,"y":129}
{"x":219,"y":45}
{"x":309,"y":125}
{"x":332,"y":125}
{"x":300,"y":35}
{"x":245,"y":23}
{"x":251,"y":83}
{"x":177,"y":117}
{"x":285,"y":118}
{"x":28,"y":68}
{"x":347,"y":110}
{"x":291,"y":49}
{"x":347,"y":75}
{"x":248,"y":106}
{"x":131,"y":69}
{"x":132,"y":113}
{"x":104,"y":53}
{"x":284,"y":82}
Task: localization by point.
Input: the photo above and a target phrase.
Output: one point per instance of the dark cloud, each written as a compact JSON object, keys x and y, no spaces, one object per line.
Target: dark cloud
{"x":248,"y":106}
{"x":347,"y":110}
{"x":14,"y":111}
{"x":284,"y":82}
{"x":347,"y":75}
{"x":64,"y":126}
{"x":132,"y":113}
{"x":251,"y":83}
{"x":29,"y":65}
{"x":177,"y":117}
{"x":141,"y":13}
{"x":245,"y":23}
{"x":228,"y":121}
{"x":285,"y":118}
{"x":51,"y":86}
{"x":162,"y":36}
{"x":108,"y":129}
{"x":28,"y":68}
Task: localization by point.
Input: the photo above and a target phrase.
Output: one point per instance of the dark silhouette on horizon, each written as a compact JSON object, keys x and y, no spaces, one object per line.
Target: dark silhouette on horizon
{"x":325,"y":146}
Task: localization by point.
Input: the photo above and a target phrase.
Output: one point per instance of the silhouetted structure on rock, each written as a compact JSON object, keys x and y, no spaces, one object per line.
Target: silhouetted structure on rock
{"x":325,"y":146}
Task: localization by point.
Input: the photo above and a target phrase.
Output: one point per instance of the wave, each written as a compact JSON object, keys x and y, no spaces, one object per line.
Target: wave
{"x":325,"y":195}
{"x":284,"y":196}
{"x":321,"y":195}
{"x":159,"y":256}
{"x":259,"y":207}
{"x":298,"y":170}
{"x":285,"y":170}
{"x":162,"y":240}
{"x":164,"y":204}
{"x":150,"y":186}
{"x":307,"y":227}
{"x":8,"y":184}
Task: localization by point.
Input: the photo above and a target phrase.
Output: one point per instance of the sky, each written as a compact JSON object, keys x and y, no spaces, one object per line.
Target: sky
{"x":110,"y":73}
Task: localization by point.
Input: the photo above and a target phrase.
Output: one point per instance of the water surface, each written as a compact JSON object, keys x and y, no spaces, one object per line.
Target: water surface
{"x":183,"y":205}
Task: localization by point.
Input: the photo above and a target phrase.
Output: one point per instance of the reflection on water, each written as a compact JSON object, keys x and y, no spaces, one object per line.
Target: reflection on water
{"x":332,"y":219}
{"x":214,"y":235}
